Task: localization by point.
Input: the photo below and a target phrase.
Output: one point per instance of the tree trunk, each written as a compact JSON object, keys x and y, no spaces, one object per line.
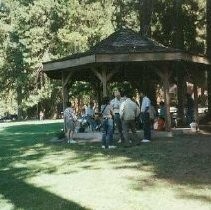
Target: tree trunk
{"x":195,"y":91}
{"x":181,"y":94}
{"x":166,"y":77}
{"x":145,"y":15}
{"x":209,"y":53}
{"x":178,"y":38}
{"x":178,"y":41}
{"x":19,"y":101}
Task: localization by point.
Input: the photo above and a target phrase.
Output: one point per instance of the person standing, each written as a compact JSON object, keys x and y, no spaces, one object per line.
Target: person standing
{"x":145,"y":106}
{"x":41,"y":115}
{"x":159,"y":124}
{"x":107,"y":124}
{"x":129,"y":110}
{"x":90,"y":114}
{"x":69,"y":122}
{"x":115,"y":103}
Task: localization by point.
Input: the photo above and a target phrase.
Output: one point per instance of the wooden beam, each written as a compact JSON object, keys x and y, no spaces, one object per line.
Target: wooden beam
{"x":104,"y":81}
{"x":126,"y":57}
{"x":111,"y":74}
{"x":195,"y":58}
{"x":68,"y":76}
{"x":56,"y":65}
{"x":104,"y":77}
{"x":139,"y":57}
{"x":64,"y":91}
{"x":152,"y":56}
{"x":99,"y":76}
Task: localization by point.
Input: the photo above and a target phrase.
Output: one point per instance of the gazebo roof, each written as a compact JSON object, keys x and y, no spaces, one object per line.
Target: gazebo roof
{"x":123,"y":41}
{"x":124,"y":45}
{"x":128,"y":41}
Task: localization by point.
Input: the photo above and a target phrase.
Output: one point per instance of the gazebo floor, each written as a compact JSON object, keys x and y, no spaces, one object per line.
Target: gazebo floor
{"x":96,"y":136}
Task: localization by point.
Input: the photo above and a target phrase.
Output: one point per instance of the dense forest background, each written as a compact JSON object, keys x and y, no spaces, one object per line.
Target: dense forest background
{"x":35,"y":31}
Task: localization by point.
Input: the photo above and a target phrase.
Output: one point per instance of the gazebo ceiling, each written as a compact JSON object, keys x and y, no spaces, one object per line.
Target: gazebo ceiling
{"x":122,"y":46}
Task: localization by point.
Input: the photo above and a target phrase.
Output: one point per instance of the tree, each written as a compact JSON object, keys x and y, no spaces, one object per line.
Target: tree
{"x":209,"y":52}
{"x":145,"y":16}
{"x":43,"y":30}
{"x":33,"y":31}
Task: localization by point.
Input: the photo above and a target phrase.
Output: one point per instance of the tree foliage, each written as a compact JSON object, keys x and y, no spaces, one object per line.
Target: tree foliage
{"x":34,"y":31}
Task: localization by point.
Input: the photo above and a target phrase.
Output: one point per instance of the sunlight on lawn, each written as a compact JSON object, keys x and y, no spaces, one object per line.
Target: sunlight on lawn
{"x":5,"y":204}
{"x":104,"y":183}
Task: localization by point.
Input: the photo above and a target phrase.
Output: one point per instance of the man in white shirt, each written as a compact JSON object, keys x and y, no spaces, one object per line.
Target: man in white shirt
{"x":129,"y":110}
{"x":145,"y":105}
{"x":115,"y":103}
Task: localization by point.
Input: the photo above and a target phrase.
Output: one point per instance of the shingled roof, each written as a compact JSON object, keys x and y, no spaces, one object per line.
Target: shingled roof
{"x":128,"y":41}
{"x":124,"y":45}
{"x":123,"y":41}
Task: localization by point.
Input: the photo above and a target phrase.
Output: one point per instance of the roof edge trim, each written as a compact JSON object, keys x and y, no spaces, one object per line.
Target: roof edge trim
{"x":69,"y":63}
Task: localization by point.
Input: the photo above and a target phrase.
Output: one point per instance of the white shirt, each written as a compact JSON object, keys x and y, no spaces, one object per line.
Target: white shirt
{"x":129,"y":110}
{"x":107,"y":110}
{"x":69,"y":114}
{"x":115,"y":103}
{"x":145,"y":103}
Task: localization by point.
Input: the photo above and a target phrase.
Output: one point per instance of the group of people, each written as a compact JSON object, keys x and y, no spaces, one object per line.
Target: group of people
{"x":121,"y":113}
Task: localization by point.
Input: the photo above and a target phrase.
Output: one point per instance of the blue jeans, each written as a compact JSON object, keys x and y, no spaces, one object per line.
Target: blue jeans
{"x":118,"y":123}
{"x":190,"y":116}
{"x":91,"y":122}
{"x":107,"y":135}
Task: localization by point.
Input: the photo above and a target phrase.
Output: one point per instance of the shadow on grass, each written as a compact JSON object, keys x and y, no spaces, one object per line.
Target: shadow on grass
{"x":15,"y":142}
{"x":182,"y":160}
{"x":191,"y":196}
{"x":26,"y":196}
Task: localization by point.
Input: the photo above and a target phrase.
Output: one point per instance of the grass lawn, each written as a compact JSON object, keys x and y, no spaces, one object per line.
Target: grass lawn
{"x":169,"y":173}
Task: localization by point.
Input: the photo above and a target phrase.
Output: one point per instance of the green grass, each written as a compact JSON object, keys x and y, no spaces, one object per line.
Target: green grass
{"x":169,"y":173}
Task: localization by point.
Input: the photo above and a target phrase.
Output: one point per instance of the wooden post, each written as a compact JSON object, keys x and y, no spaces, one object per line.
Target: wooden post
{"x":104,"y":82}
{"x":181,"y":92}
{"x":104,"y":77}
{"x":64,"y":92}
{"x":195,"y":92}
{"x":165,"y":76}
{"x":65,"y":79}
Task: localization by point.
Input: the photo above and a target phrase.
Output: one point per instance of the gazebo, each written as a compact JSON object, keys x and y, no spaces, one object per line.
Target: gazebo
{"x":123,"y":55}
